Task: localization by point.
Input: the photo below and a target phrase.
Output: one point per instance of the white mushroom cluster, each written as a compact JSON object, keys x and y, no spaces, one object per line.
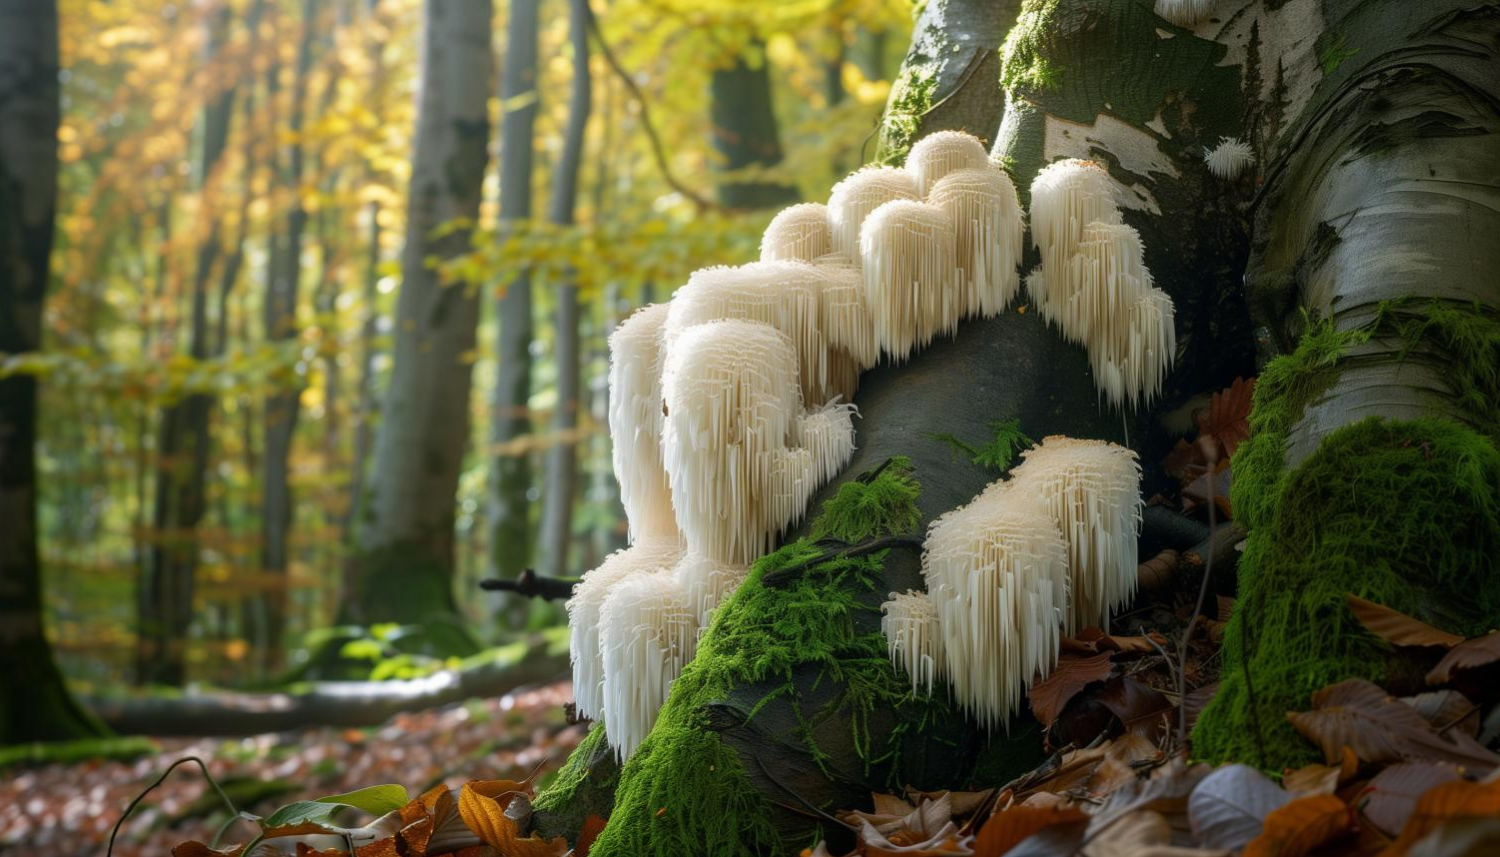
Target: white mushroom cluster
{"x":1050,"y":550}
{"x":1093,"y":283}
{"x":1230,"y":158}
{"x":729,"y":407}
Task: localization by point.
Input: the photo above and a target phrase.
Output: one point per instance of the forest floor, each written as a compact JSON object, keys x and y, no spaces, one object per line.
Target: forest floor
{"x":68,"y":810}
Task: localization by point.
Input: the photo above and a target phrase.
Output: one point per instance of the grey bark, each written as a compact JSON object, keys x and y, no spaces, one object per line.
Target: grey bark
{"x":562,"y":452}
{"x":34,"y":700}
{"x":405,"y":546}
{"x":510,"y":418}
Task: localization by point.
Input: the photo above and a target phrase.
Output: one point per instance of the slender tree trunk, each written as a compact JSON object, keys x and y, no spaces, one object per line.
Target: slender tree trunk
{"x":183,"y":440}
{"x":562,"y":453}
{"x":365,"y":399}
{"x":509,"y":508}
{"x":34,"y":700}
{"x":284,"y":274}
{"x":745,"y":132}
{"x":404,"y":564}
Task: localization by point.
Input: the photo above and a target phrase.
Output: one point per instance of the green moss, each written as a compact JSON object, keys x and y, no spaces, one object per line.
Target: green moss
{"x":80,"y":750}
{"x":863,"y":508}
{"x":685,"y":791}
{"x":1332,"y":52}
{"x":998,"y":453}
{"x":1403,"y":513}
{"x":584,"y":786}
{"x":911,"y":98}
{"x":1024,"y":60}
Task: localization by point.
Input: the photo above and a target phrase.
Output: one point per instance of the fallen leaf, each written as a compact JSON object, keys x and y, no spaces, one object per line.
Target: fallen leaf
{"x":1049,"y":695}
{"x":1006,"y":829}
{"x":1444,"y":803}
{"x":1391,"y":797}
{"x":1461,"y":837}
{"x":1381,"y":729}
{"x":1196,"y":700}
{"x":592,"y":827}
{"x":1132,"y":834}
{"x":482,"y":805}
{"x":1312,"y":779}
{"x":1228,"y":809}
{"x":1445,"y":710}
{"x":1226,"y":419}
{"x":1396,"y":627}
{"x":1466,"y":655}
{"x":1142,"y":709}
{"x":1298,"y":827}
{"x":1124,"y":759}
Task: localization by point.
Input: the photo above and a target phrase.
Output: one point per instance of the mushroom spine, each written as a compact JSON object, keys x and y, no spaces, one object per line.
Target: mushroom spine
{"x":942,"y":152}
{"x":648,"y":631}
{"x":797,"y":233}
{"x":635,"y":422}
{"x":987,"y":226}
{"x":1230,"y":159}
{"x":910,"y":270}
{"x":914,"y":637}
{"x":852,"y":200}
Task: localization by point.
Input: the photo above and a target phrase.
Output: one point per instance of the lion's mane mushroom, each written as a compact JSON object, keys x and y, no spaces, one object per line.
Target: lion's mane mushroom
{"x":635,"y":421}
{"x":1066,"y":196}
{"x":914,"y":637}
{"x":910,"y":271}
{"x":1131,"y":368}
{"x":1230,"y":158}
{"x":785,"y":295}
{"x":705,"y":583}
{"x":996,"y":572}
{"x":1183,"y":13}
{"x":1091,"y":490}
{"x":798,"y":233}
{"x":647,"y":555}
{"x":847,"y":325}
{"x":942,"y":152}
{"x":988,"y":228}
{"x":648,"y":631}
{"x":852,"y":200}
{"x":733,"y":440}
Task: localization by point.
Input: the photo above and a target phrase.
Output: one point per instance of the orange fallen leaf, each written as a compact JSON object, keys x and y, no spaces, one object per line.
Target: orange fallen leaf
{"x":482,"y":805}
{"x":1300,"y":826}
{"x":592,"y":827}
{"x":1396,"y":627}
{"x":1006,"y":829}
{"x":1461,"y":799}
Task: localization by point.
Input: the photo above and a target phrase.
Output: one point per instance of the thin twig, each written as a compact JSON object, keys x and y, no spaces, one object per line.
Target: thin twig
{"x":785,"y":575}
{"x":657,"y":151}
{"x":161,"y":779}
{"x":1208,"y":571}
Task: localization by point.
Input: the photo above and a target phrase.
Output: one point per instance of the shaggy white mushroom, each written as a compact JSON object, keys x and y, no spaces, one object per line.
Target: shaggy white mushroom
{"x":647,"y":633}
{"x":1066,"y":196}
{"x":942,"y":152}
{"x":647,"y":555}
{"x":785,"y":295}
{"x":988,"y":228}
{"x":1230,"y":158}
{"x":846,"y":320}
{"x":1131,"y":369}
{"x":734,"y":438}
{"x":798,"y":233}
{"x":910,"y":271}
{"x":996,"y":572}
{"x":1091,"y":489}
{"x":705,"y":584}
{"x":852,"y":200}
{"x":636,"y":353}
{"x":1183,"y":13}
{"x":914,"y":637}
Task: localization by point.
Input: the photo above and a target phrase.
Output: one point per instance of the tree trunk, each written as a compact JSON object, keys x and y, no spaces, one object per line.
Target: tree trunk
{"x":34,"y":700}
{"x":404,"y":563}
{"x":284,"y":275}
{"x":1372,"y":466}
{"x":562,"y":452}
{"x":183,"y":441}
{"x":509,"y":509}
{"x":745,"y":133}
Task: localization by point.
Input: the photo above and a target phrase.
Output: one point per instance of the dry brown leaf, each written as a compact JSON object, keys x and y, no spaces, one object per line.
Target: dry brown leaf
{"x":1442,"y":803}
{"x":1006,"y":829}
{"x":1300,"y":826}
{"x":1466,"y":655}
{"x":1142,"y":709}
{"x":1226,"y":419}
{"x":1396,"y":627}
{"x":1312,"y":779}
{"x":1446,"y":710}
{"x":194,"y":848}
{"x":1050,"y":695}
{"x":1391,"y":797}
{"x":1381,"y":729}
{"x":592,"y":827}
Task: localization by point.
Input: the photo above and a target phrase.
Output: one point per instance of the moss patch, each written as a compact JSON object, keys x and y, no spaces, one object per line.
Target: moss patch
{"x":584,"y":786}
{"x":685,"y":791}
{"x":1403,"y":513}
{"x":911,"y":98}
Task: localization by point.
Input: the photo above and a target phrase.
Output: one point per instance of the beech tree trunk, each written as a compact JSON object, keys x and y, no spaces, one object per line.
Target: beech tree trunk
{"x":34,"y":700}
{"x":403,"y":568}
{"x":745,"y":131}
{"x":509,"y":511}
{"x":562,"y":452}
{"x":1374,"y":205}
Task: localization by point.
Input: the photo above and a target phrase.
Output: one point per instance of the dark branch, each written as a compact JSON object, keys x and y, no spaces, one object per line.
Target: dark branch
{"x":533,"y":585}
{"x":836,"y":550}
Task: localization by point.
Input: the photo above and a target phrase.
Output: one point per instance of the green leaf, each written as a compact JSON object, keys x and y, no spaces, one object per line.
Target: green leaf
{"x":376,"y":800}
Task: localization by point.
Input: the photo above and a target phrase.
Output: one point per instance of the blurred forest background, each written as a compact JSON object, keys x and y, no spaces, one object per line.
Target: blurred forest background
{"x":325,"y":338}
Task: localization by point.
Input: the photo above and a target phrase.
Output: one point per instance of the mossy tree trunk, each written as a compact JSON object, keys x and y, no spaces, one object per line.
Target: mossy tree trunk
{"x":403,"y":567}
{"x":34,"y":701}
{"x":1374,"y":204}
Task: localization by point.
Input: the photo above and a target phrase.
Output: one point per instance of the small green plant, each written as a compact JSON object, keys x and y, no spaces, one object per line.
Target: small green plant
{"x":999,"y":453}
